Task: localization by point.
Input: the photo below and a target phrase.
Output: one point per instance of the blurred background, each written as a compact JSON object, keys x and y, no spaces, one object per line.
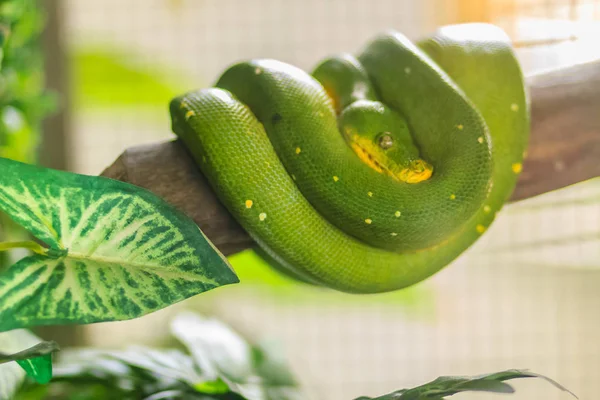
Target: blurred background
{"x":525,"y":296}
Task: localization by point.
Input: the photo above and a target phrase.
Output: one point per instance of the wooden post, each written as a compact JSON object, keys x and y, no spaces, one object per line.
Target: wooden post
{"x":54,"y":145}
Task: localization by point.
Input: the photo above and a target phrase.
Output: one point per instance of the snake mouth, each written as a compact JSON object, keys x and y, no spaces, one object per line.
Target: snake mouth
{"x":369,"y":159}
{"x":416,"y":171}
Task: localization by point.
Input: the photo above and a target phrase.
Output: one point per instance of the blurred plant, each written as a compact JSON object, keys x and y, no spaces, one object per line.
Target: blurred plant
{"x":105,"y":77}
{"x":21,"y":352}
{"x":23,"y":102}
{"x":218,"y":364}
{"x":446,"y":386}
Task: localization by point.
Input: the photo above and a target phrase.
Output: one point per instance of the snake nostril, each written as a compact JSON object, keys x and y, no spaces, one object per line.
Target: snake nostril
{"x":276,"y":118}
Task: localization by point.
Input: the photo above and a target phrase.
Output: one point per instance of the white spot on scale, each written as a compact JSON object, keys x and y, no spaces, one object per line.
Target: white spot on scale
{"x":262,"y":216}
{"x":407,"y":70}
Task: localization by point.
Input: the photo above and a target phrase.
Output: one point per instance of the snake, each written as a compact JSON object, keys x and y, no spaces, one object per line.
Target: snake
{"x":375,"y":170}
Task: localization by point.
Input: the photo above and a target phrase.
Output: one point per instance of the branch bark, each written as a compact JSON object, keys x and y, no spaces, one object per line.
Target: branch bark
{"x":564,"y":149}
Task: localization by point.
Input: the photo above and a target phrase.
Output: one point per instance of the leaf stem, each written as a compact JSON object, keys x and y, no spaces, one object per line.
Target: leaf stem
{"x":30,"y":245}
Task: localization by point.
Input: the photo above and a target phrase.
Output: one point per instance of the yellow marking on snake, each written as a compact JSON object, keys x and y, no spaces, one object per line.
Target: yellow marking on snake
{"x":262,"y":216}
{"x":452,"y":196}
{"x":189,"y":114}
{"x":249,"y":203}
{"x":368,"y":221}
{"x":480,"y":228}
{"x":370,"y":194}
{"x":517,"y":167}
{"x":367,"y":158}
{"x":514,"y":107}
{"x":419,"y":171}
{"x":397,"y":214}
{"x":480,"y":139}
{"x":298,"y":150}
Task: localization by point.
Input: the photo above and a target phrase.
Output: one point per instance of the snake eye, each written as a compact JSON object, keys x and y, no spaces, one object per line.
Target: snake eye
{"x":385,"y":141}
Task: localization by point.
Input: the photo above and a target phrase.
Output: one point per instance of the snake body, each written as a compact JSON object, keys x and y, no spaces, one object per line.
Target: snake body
{"x":375,"y":171}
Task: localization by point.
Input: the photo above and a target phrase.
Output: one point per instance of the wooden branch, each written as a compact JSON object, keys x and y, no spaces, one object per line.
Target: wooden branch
{"x":564,"y":149}
{"x":168,"y":170}
{"x":565,"y":130}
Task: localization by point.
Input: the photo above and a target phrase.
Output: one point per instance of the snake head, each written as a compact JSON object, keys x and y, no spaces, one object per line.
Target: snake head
{"x":381,"y":138}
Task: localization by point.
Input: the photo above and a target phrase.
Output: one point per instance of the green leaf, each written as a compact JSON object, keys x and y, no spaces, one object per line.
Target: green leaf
{"x":217,"y":386}
{"x":445,"y":386}
{"x":20,"y":354}
{"x":36,"y":360}
{"x":115,"y":251}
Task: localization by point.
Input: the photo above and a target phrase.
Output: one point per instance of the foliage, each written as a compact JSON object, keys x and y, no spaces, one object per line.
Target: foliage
{"x":445,"y":386}
{"x":218,"y":364}
{"x":21,"y":353}
{"x":23,"y":102}
{"x":114,"y":251}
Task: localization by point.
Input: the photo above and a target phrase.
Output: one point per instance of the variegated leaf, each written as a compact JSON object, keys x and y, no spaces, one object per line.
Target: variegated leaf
{"x":115,"y":251}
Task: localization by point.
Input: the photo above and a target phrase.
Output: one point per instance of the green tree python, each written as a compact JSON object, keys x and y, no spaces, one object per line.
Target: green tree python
{"x":376,"y":170}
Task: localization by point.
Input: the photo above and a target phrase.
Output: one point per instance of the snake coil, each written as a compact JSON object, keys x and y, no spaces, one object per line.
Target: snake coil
{"x":375,"y":171}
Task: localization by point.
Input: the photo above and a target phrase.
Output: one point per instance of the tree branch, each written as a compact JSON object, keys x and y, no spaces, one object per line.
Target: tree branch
{"x":564,"y":149}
